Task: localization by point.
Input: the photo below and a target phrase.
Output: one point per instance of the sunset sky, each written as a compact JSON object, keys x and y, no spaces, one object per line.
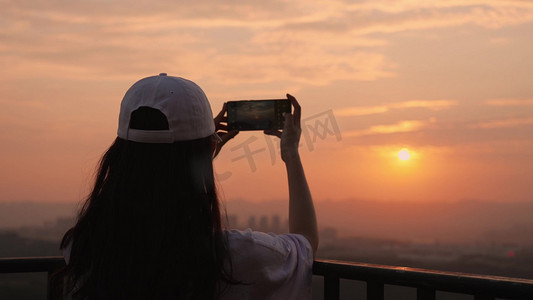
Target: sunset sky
{"x":450,"y":81}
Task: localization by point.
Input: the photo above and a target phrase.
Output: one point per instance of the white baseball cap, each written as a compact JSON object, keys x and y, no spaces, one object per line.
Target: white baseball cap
{"x":183,"y":103}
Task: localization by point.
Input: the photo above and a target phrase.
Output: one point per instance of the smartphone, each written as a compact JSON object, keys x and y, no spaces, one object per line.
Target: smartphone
{"x":257,"y":114}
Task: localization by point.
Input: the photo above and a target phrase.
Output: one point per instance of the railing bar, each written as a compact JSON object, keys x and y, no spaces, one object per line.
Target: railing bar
{"x":30,"y":264}
{"x":425,"y":293}
{"x":483,"y":297}
{"x":375,"y":290}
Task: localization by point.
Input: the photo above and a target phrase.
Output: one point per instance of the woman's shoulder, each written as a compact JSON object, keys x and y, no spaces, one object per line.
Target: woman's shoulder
{"x":278,"y":266}
{"x":258,"y":244}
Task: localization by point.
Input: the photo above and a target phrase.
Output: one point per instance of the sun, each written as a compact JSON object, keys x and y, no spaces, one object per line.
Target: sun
{"x":404,"y":154}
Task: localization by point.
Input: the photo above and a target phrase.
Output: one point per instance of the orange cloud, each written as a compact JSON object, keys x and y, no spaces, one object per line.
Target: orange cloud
{"x":370,"y":110}
{"x":404,"y":126}
{"x":400,"y":127}
{"x":248,"y":42}
{"x":361,"y":111}
{"x":506,"y":123}
{"x":510,"y":102}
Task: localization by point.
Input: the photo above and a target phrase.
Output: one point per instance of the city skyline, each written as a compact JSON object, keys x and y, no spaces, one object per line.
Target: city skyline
{"x":462,"y":222}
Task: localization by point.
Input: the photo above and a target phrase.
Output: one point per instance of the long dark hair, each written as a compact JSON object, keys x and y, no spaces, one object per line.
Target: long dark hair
{"x":151,"y":227}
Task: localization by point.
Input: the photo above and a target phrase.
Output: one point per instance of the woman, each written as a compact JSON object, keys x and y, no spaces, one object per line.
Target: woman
{"x":151,"y":227}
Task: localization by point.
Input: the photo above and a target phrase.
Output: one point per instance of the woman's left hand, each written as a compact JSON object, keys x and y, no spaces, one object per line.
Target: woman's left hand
{"x":222,"y":129}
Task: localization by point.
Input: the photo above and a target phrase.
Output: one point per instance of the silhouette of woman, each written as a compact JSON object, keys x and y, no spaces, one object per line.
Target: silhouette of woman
{"x":151,"y":227}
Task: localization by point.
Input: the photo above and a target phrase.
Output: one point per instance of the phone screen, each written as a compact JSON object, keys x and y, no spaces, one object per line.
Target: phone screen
{"x":257,"y":114}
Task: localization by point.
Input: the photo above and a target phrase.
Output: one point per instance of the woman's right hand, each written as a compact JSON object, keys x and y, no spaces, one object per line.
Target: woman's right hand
{"x":222,"y":129}
{"x":290,"y":136}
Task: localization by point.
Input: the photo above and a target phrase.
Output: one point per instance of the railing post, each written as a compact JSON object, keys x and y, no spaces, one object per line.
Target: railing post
{"x":424,"y":293}
{"x":54,"y":288}
{"x":375,"y":290}
{"x":331,"y":287}
{"x":49,"y":287}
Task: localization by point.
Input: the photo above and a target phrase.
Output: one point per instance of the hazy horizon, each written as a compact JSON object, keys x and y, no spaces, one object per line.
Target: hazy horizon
{"x":465,"y":221}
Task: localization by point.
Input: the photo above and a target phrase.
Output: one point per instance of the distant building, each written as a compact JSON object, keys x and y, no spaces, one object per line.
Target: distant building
{"x":252,"y":222}
{"x":328,"y":235}
{"x":50,"y":231}
{"x":233,"y":221}
{"x":263,"y":223}
{"x":276,"y":224}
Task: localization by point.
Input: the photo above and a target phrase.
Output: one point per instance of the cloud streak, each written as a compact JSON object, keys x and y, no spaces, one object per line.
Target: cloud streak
{"x":505,"y":123}
{"x":379,"y":109}
{"x":510,"y":102}
{"x":400,"y":127}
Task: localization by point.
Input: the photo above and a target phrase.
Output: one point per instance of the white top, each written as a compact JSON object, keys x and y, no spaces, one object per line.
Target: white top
{"x":272,"y":266}
{"x":276,"y":266}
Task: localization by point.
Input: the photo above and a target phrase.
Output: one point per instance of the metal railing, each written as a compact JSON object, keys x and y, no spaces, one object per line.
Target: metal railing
{"x":426,"y":282}
{"x":48,"y":264}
